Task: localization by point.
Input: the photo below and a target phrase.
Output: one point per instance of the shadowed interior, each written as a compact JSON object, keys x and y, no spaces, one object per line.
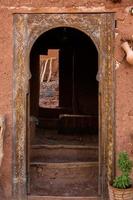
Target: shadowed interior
{"x":63,"y":147}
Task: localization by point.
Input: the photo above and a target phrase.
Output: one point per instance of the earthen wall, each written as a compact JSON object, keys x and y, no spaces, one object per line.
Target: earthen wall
{"x":124,"y":72}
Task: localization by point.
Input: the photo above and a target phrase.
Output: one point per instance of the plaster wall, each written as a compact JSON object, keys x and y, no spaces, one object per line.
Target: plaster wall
{"x":124,"y":72}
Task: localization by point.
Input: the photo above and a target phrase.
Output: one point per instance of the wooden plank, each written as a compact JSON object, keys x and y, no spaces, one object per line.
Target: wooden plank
{"x":65,"y":165}
{"x":61,"y":198}
{"x":65,"y":146}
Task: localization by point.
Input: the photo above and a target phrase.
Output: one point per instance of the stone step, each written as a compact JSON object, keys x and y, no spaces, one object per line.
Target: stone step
{"x":61,"y":198}
{"x":64,"y":179}
{"x":64,"y":153}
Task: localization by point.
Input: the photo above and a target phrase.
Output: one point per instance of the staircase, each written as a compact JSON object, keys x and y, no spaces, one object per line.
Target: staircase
{"x":63,"y":166}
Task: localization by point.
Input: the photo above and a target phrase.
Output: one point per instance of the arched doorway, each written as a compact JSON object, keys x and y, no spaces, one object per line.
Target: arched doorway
{"x":27,"y":28}
{"x":64,"y":141}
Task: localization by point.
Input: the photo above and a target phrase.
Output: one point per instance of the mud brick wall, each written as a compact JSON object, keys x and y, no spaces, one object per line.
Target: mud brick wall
{"x":124,"y":72}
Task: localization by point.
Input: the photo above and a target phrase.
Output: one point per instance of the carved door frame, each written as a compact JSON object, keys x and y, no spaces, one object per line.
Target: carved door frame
{"x":27,"y":28}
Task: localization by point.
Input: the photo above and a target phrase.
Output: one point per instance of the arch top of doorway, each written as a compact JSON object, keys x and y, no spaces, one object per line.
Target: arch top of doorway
{"x":73,"y":27}
{"x":55,"y":34}
{"x":89,"y":23}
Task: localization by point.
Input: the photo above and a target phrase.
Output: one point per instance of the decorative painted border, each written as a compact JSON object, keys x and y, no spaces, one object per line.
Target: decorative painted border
{"x":27,"y":28}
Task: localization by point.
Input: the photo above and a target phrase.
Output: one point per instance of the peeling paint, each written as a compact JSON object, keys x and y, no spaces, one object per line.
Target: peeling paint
{"x":117,"y":65}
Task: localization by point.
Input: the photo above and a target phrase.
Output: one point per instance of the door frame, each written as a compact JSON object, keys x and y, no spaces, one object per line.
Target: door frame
{"x":27,"y":28}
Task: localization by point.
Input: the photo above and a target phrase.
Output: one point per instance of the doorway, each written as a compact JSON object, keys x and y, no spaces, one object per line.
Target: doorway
{"x":64,"y":137}
{"x":35,"y":35}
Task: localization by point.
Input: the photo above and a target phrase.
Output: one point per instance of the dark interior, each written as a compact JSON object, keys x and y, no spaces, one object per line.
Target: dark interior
{"x":78,"y":65}
{"x":75,"y":121}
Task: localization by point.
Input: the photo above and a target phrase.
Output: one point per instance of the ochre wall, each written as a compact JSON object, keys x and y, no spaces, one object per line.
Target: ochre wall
{"x":124,"y":72}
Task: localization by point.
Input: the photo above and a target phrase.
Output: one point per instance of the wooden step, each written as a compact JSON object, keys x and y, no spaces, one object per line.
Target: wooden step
{"x":53,"y":112}
{"x":70,"y":123}
{"x":64,"y":153}
{"x":53,"y":137}
{"x":61,"y":198}
{"x":64,"y":179}
{"x":51,"y":123}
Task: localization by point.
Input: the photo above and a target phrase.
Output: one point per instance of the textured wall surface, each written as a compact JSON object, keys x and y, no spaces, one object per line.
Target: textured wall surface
{"x":124,"y":72}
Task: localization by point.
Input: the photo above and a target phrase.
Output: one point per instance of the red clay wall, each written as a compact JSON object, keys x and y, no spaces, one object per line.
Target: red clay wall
{"x":124,"y":72}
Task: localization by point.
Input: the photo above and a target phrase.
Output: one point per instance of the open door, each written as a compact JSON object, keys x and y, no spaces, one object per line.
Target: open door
{"x":64,"y":146}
